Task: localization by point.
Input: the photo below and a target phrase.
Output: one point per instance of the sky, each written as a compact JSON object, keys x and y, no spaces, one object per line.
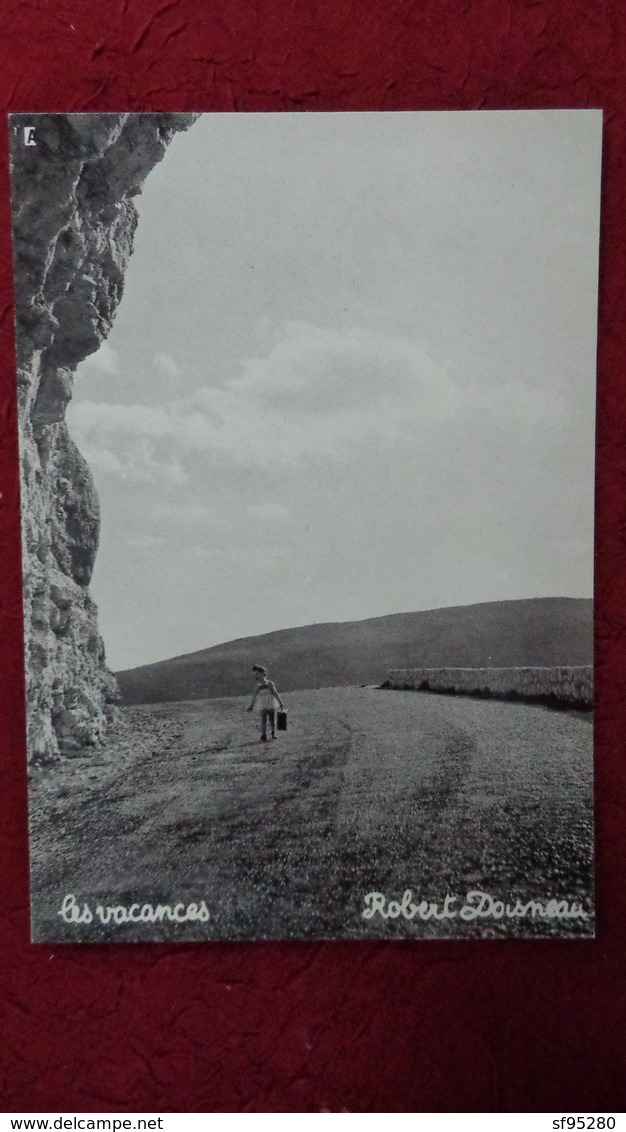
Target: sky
{"x":352,"y":373}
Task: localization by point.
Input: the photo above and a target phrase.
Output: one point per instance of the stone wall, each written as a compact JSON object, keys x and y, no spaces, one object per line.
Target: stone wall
{"x":73,"y":226}
{"x":569,"y":686}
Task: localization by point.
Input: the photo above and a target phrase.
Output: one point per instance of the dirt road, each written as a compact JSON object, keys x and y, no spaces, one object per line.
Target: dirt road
{"x":369,"y":790}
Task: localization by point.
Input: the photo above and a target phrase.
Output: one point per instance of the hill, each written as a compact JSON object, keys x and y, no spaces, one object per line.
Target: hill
{"x":539,"y":631}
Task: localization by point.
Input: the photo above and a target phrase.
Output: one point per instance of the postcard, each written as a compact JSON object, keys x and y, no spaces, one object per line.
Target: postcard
{"x":307,"y":408}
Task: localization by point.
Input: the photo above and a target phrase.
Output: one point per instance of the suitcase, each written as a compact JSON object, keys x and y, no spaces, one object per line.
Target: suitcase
{"x":281,"y":720}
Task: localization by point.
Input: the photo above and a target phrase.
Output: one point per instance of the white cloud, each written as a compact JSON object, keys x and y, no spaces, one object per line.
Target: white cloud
{"x":139,"y":464}
{"x":99,"y":418}
{"x":101,"y":459}
{"x":145,"y":464}
{"x":166,"y":365}
{"x":105,"y":359}
{"x":318,"y":395}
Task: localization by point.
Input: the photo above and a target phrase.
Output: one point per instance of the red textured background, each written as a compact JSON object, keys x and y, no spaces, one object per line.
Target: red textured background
{"x":494,"y":1026}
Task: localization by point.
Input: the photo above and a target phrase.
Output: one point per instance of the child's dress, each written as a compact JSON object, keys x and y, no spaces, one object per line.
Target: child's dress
{"x":266,"y":698}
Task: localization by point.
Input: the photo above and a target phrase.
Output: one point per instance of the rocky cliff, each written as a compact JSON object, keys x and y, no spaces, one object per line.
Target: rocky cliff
{"x":73,"y":182}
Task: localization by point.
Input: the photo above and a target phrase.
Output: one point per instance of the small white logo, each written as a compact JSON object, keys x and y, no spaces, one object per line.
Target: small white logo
{"x":29,"y":135}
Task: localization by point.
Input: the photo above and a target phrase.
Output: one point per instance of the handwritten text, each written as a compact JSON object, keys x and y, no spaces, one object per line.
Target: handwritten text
{"x":477,"y":905}
{"x":74,"y":912}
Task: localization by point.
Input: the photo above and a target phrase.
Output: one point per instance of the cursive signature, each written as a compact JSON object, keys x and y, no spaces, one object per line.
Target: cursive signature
{"x":477,"y":905}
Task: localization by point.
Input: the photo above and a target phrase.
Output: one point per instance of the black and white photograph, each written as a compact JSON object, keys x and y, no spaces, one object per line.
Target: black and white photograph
{"x":307,"y":415}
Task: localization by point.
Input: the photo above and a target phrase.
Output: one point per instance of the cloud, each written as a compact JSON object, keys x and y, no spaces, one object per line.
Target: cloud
{"x":105,"y":359}
{"x":318,"y":395}
{"x":101,"y":459}
{"x":98,"y":417}
{"x":166,"y":365}
{"x":139,"y":464}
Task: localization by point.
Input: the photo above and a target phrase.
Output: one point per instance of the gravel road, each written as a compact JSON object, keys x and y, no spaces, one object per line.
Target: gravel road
{"x":368,"y":791}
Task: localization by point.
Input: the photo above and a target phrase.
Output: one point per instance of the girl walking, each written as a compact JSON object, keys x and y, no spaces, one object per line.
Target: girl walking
{"x":266,"y":699}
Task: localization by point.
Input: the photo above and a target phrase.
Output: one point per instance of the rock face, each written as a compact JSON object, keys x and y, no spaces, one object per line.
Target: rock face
{"x":73,"y":226}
